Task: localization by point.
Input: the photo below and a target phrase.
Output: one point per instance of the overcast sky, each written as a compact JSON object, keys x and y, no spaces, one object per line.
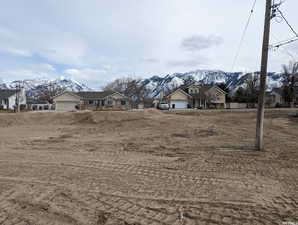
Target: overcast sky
{"x":95,"y":41}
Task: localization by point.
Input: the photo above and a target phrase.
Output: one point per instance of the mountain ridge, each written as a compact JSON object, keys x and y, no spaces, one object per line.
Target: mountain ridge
{"x":156,"y":83}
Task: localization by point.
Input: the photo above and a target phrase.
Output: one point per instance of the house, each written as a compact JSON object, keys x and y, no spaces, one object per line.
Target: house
{"x":11,"y":98}
{"x":92,"y":100}
{"x":38,"y":105}
{"x":103,"y":100}
{"x":179,"y":99}
{"x":274,"y":97}
{"x":296,"y":94}
{"x":67,"y":101}
{"x":296,"y":90}
{"x":197,"y":96}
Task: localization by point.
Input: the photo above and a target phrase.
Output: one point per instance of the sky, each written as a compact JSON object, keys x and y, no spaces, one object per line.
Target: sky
{"x":97,"y":41}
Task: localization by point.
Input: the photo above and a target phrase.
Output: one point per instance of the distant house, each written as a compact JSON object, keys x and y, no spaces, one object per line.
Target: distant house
{"x":10,"y":98}
{"x":274,"y":97}
{"x":38,"y":105}
{"x":296,"y":90}
{"x":197,"y":96}
{"x":67,"y":101}
{"x":70,"y":101}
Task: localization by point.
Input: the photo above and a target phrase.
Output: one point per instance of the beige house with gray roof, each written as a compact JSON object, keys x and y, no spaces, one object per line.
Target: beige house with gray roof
{"x":197,"y":96}
{"x":95,"y":100}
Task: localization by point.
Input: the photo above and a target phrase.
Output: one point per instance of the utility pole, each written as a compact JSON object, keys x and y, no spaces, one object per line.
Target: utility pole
{"x":264,"y":63}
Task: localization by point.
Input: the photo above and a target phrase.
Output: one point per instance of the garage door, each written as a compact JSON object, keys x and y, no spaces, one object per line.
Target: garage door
{"x":179,"y":105}
{"x":65,"y":106}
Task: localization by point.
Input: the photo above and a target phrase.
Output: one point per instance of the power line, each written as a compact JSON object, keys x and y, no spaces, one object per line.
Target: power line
{"x":243,"y":34}
{"x":276,"y":12}
{"x":283,"y":48}
{"x":282,"y":43}
{"x":285,"y":19}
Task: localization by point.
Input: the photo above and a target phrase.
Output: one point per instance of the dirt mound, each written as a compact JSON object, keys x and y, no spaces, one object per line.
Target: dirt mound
{"x":105,"y":116}
{"x":84,"y":118}
{"x":33,"y":118}
{"x":68,"y":118}
{"x":153,"y":111}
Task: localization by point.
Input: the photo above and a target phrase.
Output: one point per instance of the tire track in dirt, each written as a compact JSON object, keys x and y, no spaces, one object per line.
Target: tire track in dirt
{"x":155,"y":179}
{"x":123,"y":207}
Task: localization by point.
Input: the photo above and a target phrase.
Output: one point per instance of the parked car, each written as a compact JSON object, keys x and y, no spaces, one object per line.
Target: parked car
{"x":163,"y":106}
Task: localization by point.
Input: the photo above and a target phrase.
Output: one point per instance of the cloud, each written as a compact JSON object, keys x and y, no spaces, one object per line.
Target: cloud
{"x":28,"y":72}
{"x":129,"y":37}
{"x":197,"y":43}
{"x":63,"y":48}
{"x":87,"y":74}
{"x":16,"y":52}
{"x":188,"y":62}
{"x":150,"y":60}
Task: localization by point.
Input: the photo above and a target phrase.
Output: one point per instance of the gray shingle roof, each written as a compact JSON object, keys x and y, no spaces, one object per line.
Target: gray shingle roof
{"x":202,"y":91}
{"x":94,"y":94}
{"x":6,"y":93}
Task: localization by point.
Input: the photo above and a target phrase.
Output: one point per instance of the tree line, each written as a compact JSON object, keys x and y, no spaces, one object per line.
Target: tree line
{"x":248,"y":93}
{"x":138,"y":91}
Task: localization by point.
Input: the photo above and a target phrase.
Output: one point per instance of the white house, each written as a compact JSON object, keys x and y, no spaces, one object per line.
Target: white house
{"x":9,"y":98}
{"x":67,"y":101}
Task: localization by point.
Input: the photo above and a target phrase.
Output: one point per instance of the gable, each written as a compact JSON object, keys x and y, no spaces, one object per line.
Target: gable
{"x":67,"y":97}
{"x":179,"y":95}
{"x":117,"y":95}
{"x":216,"y":91}
{"x":193,"y":89}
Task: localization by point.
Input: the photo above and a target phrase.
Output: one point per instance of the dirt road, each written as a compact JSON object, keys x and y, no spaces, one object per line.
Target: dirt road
{"x":147,"y":167}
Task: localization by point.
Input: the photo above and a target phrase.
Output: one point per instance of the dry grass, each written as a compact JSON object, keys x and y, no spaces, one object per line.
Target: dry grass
{"x":147,"y":167}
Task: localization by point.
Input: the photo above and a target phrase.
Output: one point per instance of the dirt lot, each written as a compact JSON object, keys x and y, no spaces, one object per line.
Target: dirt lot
{"x":147,"y":167}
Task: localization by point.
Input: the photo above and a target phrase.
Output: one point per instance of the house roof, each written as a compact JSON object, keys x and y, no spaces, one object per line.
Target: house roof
{"x":277,"y":90}
{"x":32,"y":101}
{"x":202,"y":91}
{"x":95,"y":94}
{"x":67,"y":92}
{"x":181,"y":90}
{"x":6,"y":93}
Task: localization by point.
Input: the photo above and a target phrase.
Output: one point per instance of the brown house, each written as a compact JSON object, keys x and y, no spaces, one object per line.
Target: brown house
{"x":197,"y":96}
{"x":103,"y":100}
{"x":70,"y":101}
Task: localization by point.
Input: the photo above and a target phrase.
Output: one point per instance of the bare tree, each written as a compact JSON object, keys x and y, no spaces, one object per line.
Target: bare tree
{"x":252,"y":89}
{"x":48,"y":91}
{"x":290,"y":73}
{"x":133,"y":88}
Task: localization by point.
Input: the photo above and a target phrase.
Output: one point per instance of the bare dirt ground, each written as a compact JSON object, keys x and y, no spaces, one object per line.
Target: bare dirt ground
{"x":147,"y":167}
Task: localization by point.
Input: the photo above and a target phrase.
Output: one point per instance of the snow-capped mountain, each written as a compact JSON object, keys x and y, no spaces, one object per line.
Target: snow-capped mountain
{"x":32,"y":86}
{"x":232,"y":80}
{"x":157,"y":83}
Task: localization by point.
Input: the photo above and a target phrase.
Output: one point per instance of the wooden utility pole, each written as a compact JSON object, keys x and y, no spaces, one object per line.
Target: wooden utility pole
{"x":264,"y":63}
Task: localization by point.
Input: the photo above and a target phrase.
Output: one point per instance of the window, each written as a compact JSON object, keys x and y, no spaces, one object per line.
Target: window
{"x":123,"y":102}
{"x":91,"y":102}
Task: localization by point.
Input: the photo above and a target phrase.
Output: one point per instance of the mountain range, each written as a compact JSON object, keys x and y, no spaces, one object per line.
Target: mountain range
{"x":155,"y":83}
